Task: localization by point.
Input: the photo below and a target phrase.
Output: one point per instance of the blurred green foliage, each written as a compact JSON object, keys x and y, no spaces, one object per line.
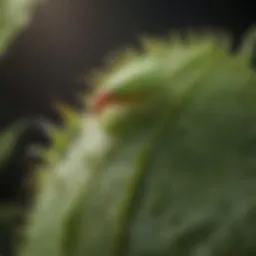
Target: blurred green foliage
{"x":14,"y":16}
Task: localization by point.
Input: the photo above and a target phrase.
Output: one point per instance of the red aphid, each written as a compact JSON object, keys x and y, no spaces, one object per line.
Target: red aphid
{"x":101,"y":101}
{"x":105,"y":99}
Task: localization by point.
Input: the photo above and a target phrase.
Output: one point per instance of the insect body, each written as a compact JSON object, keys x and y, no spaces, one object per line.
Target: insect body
{"x":130,"y":85}
{"x":151,"y":73}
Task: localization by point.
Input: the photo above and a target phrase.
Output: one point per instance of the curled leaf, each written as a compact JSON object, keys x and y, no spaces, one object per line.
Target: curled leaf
{"x":175,"y":175}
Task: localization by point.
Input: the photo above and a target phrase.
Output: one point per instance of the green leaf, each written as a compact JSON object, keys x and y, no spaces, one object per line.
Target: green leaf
{"x":14,"y":16}
{"x":175,"y":175}
{"x":9,"y":139}
{"x":9,"y":214}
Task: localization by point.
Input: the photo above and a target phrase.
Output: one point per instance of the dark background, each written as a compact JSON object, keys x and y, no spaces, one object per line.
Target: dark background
{"x":69,"y":37}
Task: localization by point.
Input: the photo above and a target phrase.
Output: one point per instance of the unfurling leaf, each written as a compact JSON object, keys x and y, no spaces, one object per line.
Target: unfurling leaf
{"x":167,"y":167}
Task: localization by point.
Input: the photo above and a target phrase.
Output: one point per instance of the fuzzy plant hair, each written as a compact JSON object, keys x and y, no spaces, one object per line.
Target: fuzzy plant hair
{"x":163,"y":163}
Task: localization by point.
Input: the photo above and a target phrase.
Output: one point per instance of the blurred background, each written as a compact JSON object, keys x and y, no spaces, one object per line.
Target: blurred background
{"x":67,"y":38}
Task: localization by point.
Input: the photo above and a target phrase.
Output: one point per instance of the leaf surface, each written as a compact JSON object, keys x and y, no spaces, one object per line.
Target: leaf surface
{"x":175,"y":175}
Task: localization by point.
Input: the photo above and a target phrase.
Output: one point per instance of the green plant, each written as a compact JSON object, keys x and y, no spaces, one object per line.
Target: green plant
{"x":14,"y":16}
{"x":8,"y":140}
{"x":162,"y":164}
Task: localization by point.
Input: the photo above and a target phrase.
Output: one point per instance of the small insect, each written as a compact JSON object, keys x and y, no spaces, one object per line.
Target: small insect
{"x":145,"y":76}
{"x":129,"y":86}
{"x":104,"y":100}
